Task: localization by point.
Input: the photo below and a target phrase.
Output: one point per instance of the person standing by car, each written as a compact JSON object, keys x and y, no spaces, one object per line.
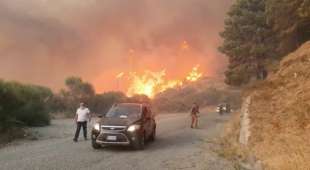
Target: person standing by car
{"x":194,"y":115}
{"x":81,"y":118}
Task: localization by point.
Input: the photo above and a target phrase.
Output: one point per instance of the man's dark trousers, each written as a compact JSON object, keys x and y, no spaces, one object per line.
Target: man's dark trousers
{"x":78,"y":128}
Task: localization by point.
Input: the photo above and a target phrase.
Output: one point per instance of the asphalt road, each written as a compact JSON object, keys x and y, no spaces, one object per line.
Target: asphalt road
{"x":177,"y":147}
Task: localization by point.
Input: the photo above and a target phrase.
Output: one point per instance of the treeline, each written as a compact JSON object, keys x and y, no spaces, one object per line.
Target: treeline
{"x":31,"y":105}
{"x":258,"y":33}
{"x":77,"y":90}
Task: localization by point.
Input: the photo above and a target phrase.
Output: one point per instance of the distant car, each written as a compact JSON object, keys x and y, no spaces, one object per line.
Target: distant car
{"x":223,"y":108}
{"x":125,"y":124}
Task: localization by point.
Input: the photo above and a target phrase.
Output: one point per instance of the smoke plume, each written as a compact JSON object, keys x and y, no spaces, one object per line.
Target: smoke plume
{"x":45,"y":41}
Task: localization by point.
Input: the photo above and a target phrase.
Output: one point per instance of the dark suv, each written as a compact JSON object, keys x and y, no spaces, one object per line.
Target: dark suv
{"x":125,"y":124}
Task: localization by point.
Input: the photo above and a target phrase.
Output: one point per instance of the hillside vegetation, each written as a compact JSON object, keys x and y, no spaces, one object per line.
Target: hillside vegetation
{"x":257,"y":39}
{"x":22,"y":105}
{"x":258,"y":33}
{"x":207,"y":92}
{"x":280,"y":114}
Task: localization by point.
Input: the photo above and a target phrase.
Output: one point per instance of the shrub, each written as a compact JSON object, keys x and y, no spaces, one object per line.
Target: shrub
{"x":23,"y":105}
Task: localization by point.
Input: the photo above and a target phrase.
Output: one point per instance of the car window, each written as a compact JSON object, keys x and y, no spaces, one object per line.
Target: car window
{"x":124,"y":111}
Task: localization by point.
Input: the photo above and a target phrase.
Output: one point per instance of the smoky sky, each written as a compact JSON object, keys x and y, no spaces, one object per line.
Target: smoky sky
{"x":45,"y":41}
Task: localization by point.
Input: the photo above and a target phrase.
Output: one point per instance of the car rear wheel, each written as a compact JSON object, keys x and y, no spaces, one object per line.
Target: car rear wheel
{"x":94,"y":144}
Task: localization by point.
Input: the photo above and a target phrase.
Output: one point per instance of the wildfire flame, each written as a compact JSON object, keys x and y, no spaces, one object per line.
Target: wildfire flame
{"x":152,"y":83}
{"x":194,"y":75}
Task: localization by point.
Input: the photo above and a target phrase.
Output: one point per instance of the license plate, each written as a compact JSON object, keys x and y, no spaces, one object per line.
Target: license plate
{"x":111,"y":138}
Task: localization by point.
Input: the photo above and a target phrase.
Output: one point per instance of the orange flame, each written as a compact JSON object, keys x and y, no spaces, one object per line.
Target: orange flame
{"x":152,"y":83}
{"x":194,"y":75}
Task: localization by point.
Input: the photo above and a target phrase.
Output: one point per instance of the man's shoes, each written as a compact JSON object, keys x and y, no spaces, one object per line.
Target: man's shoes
{"x":85,"y":138}
{"x":75,"y":140}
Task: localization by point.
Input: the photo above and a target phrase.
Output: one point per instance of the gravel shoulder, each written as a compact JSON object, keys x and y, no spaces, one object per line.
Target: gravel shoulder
{"x":177,"y":147}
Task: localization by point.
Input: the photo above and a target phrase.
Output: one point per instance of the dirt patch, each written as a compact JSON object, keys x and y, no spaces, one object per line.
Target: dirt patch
{"x":280,"y":114}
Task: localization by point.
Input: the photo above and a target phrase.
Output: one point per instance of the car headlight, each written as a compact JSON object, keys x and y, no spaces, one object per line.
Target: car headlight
{"x":96,"y":126}
{"x":133,"y":128}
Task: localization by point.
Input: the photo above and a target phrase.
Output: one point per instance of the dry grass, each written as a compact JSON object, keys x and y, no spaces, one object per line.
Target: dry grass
{"x":280,"y":115}
{"x":230,"y":148}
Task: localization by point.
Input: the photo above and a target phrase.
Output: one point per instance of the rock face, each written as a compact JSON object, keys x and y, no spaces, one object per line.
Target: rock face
{"x":280,"y":114}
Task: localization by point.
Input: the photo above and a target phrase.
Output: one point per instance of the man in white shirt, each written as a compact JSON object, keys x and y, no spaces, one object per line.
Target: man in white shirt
{"x":81,"y":118}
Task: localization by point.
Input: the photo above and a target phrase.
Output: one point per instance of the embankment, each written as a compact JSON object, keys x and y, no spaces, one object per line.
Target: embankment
{"x":280,"y":114}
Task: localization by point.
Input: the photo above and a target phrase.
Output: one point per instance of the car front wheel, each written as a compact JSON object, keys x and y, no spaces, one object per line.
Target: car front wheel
{"x":139,"y":143}
{"x":94,"y":144}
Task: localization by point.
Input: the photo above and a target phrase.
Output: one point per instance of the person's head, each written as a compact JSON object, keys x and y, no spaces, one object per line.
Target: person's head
{"x":195,"y":104}
{"x":82,"y":105}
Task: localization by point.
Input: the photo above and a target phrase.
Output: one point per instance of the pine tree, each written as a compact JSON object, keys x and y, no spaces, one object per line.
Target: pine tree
{"x":248,"y":41}
{"x":290,"y":20}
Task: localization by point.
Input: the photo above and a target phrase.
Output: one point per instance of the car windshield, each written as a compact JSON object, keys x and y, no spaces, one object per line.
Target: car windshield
{"x":124,"y":111}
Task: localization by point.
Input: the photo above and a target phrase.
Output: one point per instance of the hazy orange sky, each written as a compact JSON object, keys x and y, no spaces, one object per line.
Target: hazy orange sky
{"x":45,"y":41}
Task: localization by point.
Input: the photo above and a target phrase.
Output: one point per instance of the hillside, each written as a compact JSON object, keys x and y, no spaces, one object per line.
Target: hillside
{"x":206,"y":92}
{"x":280,"y":114}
